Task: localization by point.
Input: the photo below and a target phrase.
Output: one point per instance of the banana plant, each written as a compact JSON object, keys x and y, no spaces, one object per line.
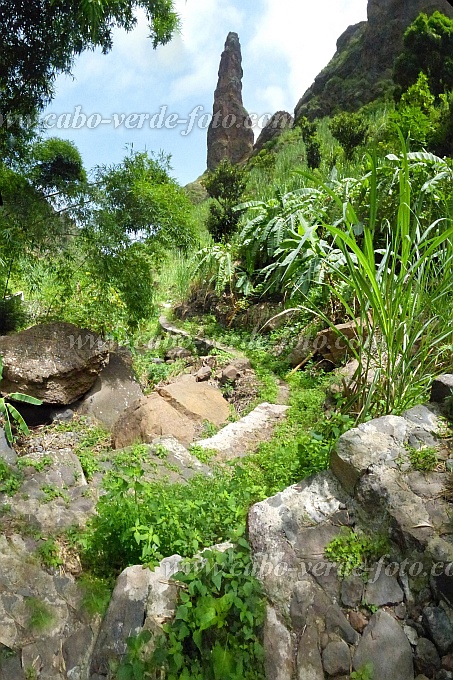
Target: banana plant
{"x":10,"y":413}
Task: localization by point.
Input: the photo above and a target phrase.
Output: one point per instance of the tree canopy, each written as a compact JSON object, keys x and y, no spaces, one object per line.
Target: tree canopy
{"x":40,"y":39}
{"x":428,"y":48}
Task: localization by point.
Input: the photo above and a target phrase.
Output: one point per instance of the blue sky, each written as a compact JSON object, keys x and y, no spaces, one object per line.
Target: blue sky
{"x":285,"y":43}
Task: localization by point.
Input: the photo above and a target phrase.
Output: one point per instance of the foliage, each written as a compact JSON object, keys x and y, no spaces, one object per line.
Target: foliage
{"x":140,"y":521}
{"x":280,"y":244}
{"x":39,"y":42}
{"x":428,"y":48}
{"x":96,"y":594}
{"x":353,"y":551}
{"x":101,"y":274}
{"x":364,"y":673}
{"x":49,"y":553}
{"x":226,"y":185}
{"x":216,"y":632}
{"x":10,"y":480}
{"x":40,"y":615}
{"x":424,"y":459}
{"x":311,"y":141}
{"x":39,"y":465}
{"x":403,"y":324}
{"x":13,"y":316}
{"x":10,"y":414}
{"x":57,"y":166}
{"x":416,"y":115}
{"x":351,"y":130}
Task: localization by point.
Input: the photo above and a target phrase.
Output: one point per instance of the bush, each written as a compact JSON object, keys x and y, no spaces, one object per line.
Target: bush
{"x":351,"y":131}
{"x":226,"y":185}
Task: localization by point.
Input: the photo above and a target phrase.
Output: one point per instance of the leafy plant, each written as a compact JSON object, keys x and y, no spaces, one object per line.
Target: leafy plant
{"x":10,"y":480}
{"x":226,"y":185}
{"x":10,"y":413}
{"x":424,"y":459}
{"x":49,"y":553}
{"x":96,"y":594}
{"x":352,"y":551}
{"x":39,"y":465}
{"x":51,"y":492}
{"x":403,"y":326}
{"x":364,"y":673}
{"x":216,"y":632}
{"x":351,"y":130}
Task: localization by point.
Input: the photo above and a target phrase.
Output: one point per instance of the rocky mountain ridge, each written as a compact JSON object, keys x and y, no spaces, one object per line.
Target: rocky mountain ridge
{"x":361,"y":69}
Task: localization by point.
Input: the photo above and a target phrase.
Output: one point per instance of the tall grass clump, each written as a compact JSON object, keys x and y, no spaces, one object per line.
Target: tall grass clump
{"x":402,"y":293}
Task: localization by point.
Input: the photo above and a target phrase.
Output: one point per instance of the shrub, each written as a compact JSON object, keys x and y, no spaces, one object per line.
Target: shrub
{"x":351,"y":130}
{"x":226,"y":185}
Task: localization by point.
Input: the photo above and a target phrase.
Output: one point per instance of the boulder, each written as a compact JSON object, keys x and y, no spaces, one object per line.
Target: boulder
{"x":204,"y":373}
{"x":309,"y":664}
{"x":278,"y":648}
{"x":125,"y":617}
{"x":230,"y":134}
{"x":177,"y":353}
{"x":114,"y":390}
{"x":333,"y":344}
{"x":148,"y":418}
{"x":7,"y":453}
{"x":196,"y":401}
{"x":442,"y":388}
{"x":237,"y":439}
{"x":336,"y":658}
{"x":55,"y":362}
{"x":386,"y":648}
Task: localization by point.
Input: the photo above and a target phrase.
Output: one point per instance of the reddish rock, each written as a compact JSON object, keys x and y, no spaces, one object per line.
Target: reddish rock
{"x":230,"y":135}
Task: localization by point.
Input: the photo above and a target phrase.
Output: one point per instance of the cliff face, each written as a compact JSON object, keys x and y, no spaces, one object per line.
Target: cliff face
{"x":230,"y":135}
{"x":361,"y":69}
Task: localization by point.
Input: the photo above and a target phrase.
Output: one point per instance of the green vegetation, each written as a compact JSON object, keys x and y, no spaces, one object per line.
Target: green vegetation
{"x":216,"y":630}
{"x":226,"y":185}
{"x":9,"y":413}
{"x":40,"y":615}
{"x":365,"y":673}
{"x":424,"y":459}
{"x":353,"y":551}
{"x":10,"y":480}
{"x":49,"y":554}
{"x":341,"y":220}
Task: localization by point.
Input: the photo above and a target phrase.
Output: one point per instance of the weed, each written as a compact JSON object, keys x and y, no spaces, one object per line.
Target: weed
{"x":94,"y":442}
{"x":208,"y":429}
{"x":49,"y":553}
{"x":423,"y":459}
{"x":217,"y":627}
{"x":364,"y":673}
{"x":10,"y":480}
{"x":204,"y":455}
{"x":51,"y":492}
{"x":96,"y":594}
{"x":160,"y":451}
{"x":351,"y":550}
{"x":40,"y":615}
{"x":39,"y":465}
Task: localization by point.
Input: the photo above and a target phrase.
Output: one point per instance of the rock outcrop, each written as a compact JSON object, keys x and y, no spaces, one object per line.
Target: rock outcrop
{"x":280,"y":121}
{"x":55,"y":362}
{"x":230,"y":134}
{"x":361,"y":69}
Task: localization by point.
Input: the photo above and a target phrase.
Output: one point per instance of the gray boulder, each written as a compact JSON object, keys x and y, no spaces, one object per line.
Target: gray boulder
{"x":114,"y":390}
{"x":55,"y":362}
{"x":386,"y":648}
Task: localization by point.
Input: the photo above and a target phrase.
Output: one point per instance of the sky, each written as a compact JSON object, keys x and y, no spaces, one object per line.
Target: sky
{"x":285,"y":44}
